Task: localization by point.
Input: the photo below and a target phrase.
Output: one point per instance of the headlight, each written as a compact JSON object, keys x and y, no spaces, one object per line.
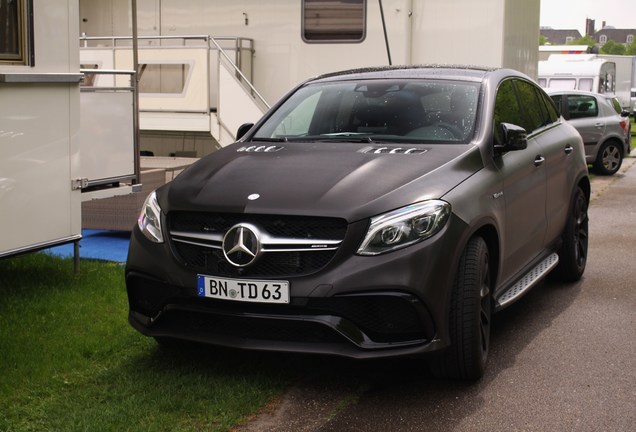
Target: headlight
{"x":405,"y":226}
{"x":149,"y":220}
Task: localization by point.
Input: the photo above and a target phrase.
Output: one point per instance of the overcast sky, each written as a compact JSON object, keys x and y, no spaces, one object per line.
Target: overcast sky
{"x":571,"y":14}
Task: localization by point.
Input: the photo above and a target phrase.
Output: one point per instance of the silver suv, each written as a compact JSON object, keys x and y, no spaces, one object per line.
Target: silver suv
{"x":603,"y":125}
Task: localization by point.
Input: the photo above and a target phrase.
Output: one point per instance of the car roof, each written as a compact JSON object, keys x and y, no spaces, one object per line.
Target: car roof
{"x":552,"y":91}
{"x":459,"y":72}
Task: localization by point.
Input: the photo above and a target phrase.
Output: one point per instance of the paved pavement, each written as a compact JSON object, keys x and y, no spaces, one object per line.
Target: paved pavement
{"x":563,"y":358}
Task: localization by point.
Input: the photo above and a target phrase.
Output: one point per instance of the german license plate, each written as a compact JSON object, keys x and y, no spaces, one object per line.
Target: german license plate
{"x":249,"y":290}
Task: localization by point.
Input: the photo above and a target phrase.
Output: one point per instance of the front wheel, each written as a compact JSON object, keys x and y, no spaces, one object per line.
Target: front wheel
{"x":573,"y":252}
{"x":609,"y":158}
{"x":470,"y":314}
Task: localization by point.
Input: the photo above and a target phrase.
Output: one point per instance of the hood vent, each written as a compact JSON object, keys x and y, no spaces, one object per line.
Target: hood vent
{"x":260,"y":149}
{"x":393,"y":150}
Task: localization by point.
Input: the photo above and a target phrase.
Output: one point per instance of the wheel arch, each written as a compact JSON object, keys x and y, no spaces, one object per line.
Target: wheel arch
{"x":491,"y":236}
{"x":585,"y":185}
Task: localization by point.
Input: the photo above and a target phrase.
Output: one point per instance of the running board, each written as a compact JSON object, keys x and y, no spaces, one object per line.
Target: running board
{"x":530,"y":279}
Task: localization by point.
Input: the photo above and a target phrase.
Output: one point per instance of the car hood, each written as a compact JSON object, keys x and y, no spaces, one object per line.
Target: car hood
{"x":348,"y":180}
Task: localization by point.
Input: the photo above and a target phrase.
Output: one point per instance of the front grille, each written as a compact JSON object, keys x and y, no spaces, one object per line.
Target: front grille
{"x":369,"y":321}
{"x":249,"y":327}
{"x":210,"y":260}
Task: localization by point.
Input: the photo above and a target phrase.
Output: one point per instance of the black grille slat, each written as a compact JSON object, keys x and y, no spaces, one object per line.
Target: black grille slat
{"x":270,"y":264}
{"x":282,"y":226}
{"x":253,"y":328}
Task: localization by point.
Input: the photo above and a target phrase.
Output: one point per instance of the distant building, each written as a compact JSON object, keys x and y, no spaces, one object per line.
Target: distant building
{"x":560,"y":37}
{"x":607,"y":33}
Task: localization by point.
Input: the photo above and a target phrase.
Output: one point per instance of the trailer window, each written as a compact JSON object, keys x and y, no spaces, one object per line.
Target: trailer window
{"x":586,"y":84}
{"x":562,"y":83}
{"x":163,"y":78}
{"x":333,"y":20}
{"x":15,"y":40}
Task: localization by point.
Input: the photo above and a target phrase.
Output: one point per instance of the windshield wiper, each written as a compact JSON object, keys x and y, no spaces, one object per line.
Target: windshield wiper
{"x":271,"y":139}
{"x":345,"y":136}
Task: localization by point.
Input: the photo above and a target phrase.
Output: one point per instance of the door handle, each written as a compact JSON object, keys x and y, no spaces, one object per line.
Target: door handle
{"x":539,"y":160}
{"x":599,"y":125}
{"x":569,"y":149}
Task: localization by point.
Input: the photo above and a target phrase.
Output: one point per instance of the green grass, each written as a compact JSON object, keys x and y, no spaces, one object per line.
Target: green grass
{"x":69,"y":360}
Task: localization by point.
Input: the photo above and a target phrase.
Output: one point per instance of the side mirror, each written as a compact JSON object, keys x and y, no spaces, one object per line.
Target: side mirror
{"x":513,"y":138}
{"x":624,"y":113}
{"x":243,"y":129}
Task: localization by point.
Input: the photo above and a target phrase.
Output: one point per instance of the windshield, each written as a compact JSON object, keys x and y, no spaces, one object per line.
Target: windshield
{"x":430,"y":111}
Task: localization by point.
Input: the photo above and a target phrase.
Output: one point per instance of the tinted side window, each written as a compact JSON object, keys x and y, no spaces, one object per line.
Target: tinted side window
{"x":529,"y":99}
{"x":617,"y":106}
{"x":553,"y":111}
{"x":582,"y":106}
{"x":558,"y":100}
{"x":507,"y":109}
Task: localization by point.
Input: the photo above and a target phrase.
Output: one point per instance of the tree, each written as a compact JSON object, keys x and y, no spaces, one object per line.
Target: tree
{"x":585,"y":40}
{"x":631,"y":49}
{"x":543,"y":40}
{"x":611,"y":47}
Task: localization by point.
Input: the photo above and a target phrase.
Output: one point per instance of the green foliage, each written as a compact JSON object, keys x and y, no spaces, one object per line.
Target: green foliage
{"x":631,"y":49}
{"x":611,"y":47}
{"x":543,"y":40}
{"x":585,"y":40}
{"x":69,"y":360}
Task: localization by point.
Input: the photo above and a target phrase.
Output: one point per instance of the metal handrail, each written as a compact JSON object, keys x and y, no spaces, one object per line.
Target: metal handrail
{"x":238,"y":71}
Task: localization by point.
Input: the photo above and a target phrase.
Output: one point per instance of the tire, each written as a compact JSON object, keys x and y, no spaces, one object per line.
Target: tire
{"x":573,"y":252}
{"x":609,"y":158}
{"x":470,"y":316}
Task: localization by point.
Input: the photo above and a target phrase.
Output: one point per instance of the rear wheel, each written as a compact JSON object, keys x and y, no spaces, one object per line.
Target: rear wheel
{"x":470,"y":315}
{"x":609,"y":158}
{"x":573,"y":252}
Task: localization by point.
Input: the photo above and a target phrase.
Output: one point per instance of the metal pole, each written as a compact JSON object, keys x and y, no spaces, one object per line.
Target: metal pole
{"x":135,"y":86}
{"x":386,"y":36}
{"x":76,"y":256}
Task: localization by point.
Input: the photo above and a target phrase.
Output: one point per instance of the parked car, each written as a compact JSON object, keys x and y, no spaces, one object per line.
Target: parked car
{"x":604,"y":126}
{"x":370,"y":213}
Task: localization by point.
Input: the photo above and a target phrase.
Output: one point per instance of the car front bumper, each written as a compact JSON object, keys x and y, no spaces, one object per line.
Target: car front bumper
{"x":394,"y":304}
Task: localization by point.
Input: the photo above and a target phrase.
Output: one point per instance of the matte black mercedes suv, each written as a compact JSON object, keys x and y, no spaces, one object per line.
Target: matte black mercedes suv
{"x":370,"y":213}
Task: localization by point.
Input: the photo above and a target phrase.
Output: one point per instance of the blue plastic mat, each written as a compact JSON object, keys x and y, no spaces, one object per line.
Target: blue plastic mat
{"x":98,"y":244}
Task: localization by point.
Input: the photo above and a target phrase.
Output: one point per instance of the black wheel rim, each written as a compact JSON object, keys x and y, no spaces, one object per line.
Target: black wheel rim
{"x":580,"y":231}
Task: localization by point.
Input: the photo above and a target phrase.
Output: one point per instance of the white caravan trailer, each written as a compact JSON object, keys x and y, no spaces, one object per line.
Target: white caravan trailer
{"x":625,"y":77}
{"x":619,"y":70}
{"x":58,"y":145}
{"x":269,"y":47}
{"x":586,"y":72}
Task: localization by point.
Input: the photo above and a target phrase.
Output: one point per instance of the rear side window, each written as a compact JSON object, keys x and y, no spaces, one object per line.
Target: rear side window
{"x":617,"y":106}
{"x":582,"y":106}
{"x":553,"y":111}
{"x":558,"y":100}
{"x":333,"y":20}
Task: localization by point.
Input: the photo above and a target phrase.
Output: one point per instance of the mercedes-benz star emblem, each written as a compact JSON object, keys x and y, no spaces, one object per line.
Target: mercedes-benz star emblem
{"x":241,"y":245}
